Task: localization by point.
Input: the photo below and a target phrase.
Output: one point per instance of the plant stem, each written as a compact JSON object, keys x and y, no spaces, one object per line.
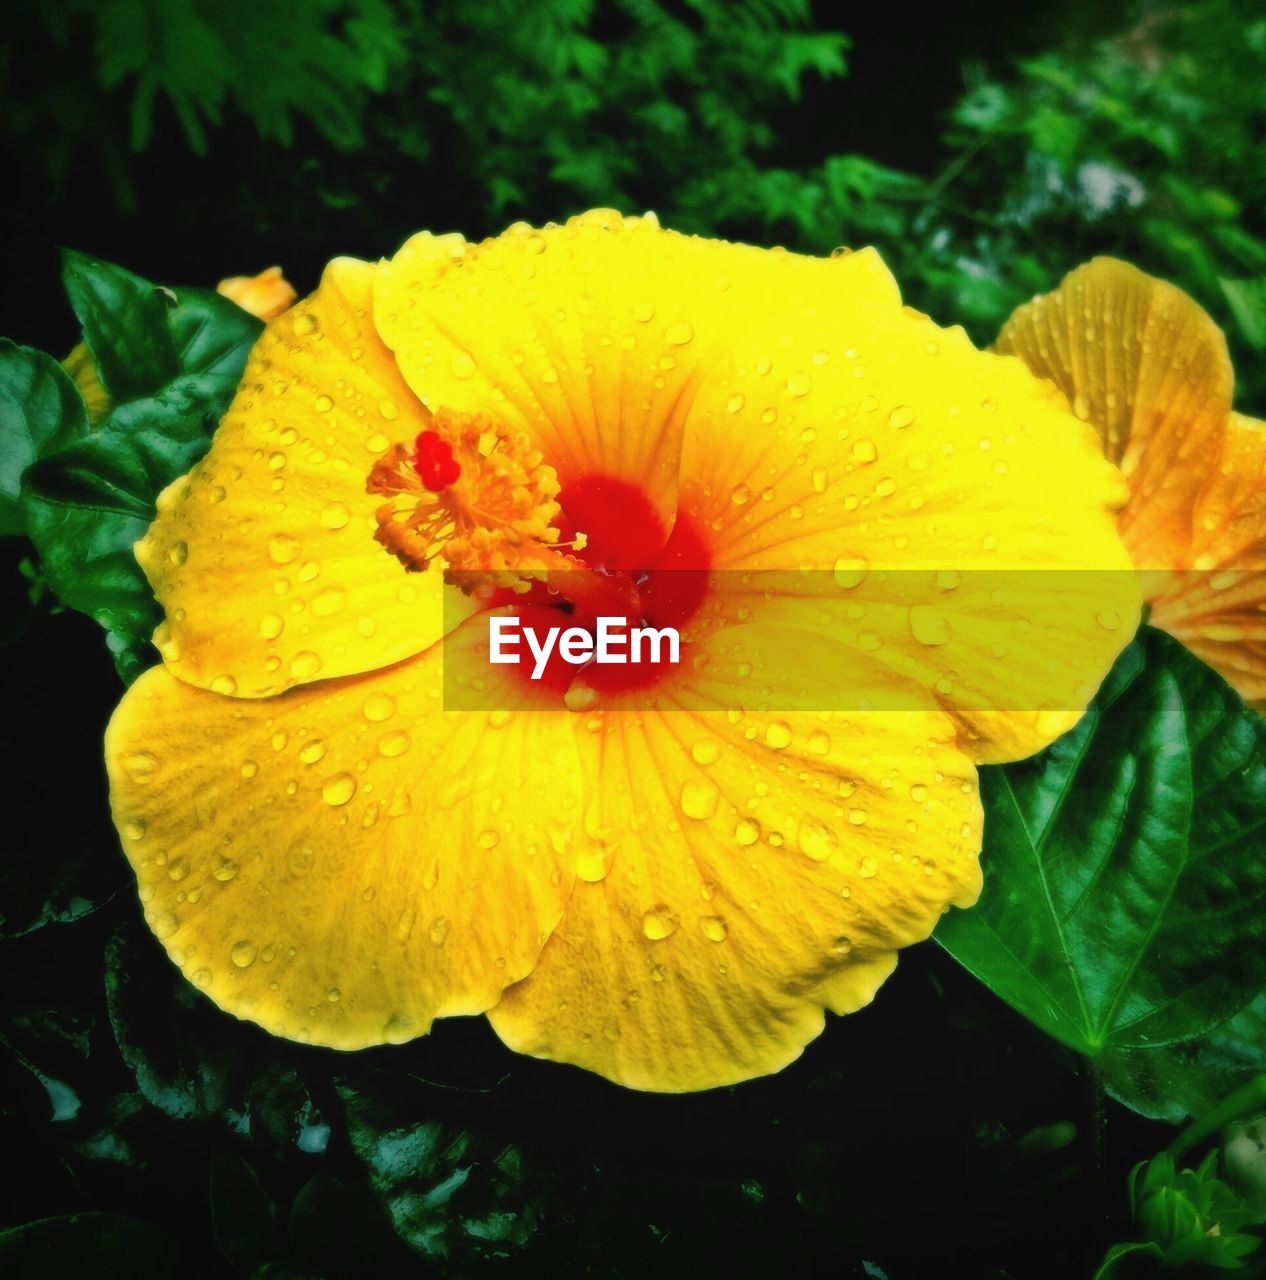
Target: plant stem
{"x":1247,"y":1098}
{"x":1098,"y":1145}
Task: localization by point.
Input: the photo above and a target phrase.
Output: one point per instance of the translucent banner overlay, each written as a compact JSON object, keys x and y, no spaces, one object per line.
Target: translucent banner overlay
{"x":852,"y":638}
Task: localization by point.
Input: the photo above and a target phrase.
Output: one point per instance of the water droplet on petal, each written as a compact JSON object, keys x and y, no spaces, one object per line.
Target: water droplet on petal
{"x":659,"y":923}
{"x":593,"y":862}
{"x":304,"y":665}
{"x":928,"y":625}
{"x":395,"y":743}
{"x":699,"y":800}
{"x":140,"y":766}
{"x":714,"y":928}
{"x":816,"y":840}
{"x":851,"y":571}
{"x":379,"y":707}
{"x":339,"y":789}
{"x":243,"y":954}
{"x":335,"y":515}
{"x":283,"y":549}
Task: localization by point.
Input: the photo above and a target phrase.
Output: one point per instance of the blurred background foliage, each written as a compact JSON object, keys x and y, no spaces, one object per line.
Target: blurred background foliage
{"x":985,"y":148}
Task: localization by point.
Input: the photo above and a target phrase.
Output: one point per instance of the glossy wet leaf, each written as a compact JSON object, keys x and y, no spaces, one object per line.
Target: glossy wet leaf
{"x":40,"y":412}
{"x":121,"y":467}
{"x":1124,"y":895}
{"x":86,"y":558}
{"x":123,"y":319}
{"x":170,"y":360}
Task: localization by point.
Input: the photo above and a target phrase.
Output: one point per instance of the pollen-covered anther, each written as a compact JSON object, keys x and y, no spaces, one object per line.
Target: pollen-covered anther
{"x":471,"y":493}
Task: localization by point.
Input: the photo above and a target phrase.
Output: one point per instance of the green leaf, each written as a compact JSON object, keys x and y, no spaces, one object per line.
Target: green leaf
{"x":40,"y":411}
{"x":1125,"y":893}
{"x":1247,"y":300}
{"x":452,"y":1193}
{"x":87,"y":498}
{"x":1134,"y":1261}
{"x":124,"y":324}
{"x":1187,"y":1079}
{"x":86,"y":558}
{"x":212,"y":337}
{"x":1191,"y":1214}
{"x":193,"y":1062}
{"x":137,"y":451}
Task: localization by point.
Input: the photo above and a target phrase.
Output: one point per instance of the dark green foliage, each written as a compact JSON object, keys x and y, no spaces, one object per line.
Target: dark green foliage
{"x":1189,"y":1218}
{"x":1146,"y":142}
{"x":170,"y":361}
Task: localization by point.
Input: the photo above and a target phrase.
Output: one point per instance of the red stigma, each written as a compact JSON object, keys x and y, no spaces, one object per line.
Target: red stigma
{"x":434,"y":462}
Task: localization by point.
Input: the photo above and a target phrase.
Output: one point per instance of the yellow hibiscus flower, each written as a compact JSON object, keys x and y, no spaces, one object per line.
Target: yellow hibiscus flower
{"x":1147,"y":367}
{"x":666,"y":888}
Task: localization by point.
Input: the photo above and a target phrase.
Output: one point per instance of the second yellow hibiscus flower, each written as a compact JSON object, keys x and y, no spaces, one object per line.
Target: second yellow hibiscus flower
{"x":1147,"y":367}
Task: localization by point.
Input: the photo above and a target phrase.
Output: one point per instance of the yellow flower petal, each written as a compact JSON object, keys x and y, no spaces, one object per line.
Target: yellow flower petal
{"x":1147,"y":366}
{"x":265,"y":295}
{"x":1139,"y":360}
{"x":263,"y":556}
{"x":596,"y":337}
{"x":803,"y":418}
{"x":346,"y":862}
{"x":746,"y":873}
{"x":966,"y":518}
{"x":83,"y":373}
{"x":1217,"y":607}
